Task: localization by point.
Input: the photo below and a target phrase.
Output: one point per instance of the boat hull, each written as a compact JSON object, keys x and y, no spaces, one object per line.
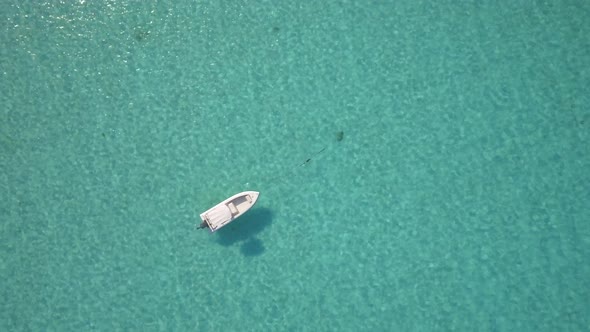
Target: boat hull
{"x":229,"y":210}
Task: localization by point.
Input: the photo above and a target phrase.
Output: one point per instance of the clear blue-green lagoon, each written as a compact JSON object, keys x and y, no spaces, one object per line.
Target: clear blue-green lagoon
{"x":423,"y":166}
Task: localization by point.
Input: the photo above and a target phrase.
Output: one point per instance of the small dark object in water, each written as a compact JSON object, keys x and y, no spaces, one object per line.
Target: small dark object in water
{"x":275,"y":29}
{"x":141,"y":34}
{"x":339,"y":136}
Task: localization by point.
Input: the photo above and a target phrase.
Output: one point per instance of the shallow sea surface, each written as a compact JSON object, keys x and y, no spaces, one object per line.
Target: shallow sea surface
{"x":423,"y":166}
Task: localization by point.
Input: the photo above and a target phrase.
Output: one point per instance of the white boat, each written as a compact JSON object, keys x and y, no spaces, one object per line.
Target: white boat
{"x":228,"y":210}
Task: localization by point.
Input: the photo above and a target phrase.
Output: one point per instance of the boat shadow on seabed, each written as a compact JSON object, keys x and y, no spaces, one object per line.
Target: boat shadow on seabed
{"x":245,"y":229}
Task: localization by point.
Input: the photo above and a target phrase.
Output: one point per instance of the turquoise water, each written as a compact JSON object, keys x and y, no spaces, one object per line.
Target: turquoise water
{"x":457,"y":198}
